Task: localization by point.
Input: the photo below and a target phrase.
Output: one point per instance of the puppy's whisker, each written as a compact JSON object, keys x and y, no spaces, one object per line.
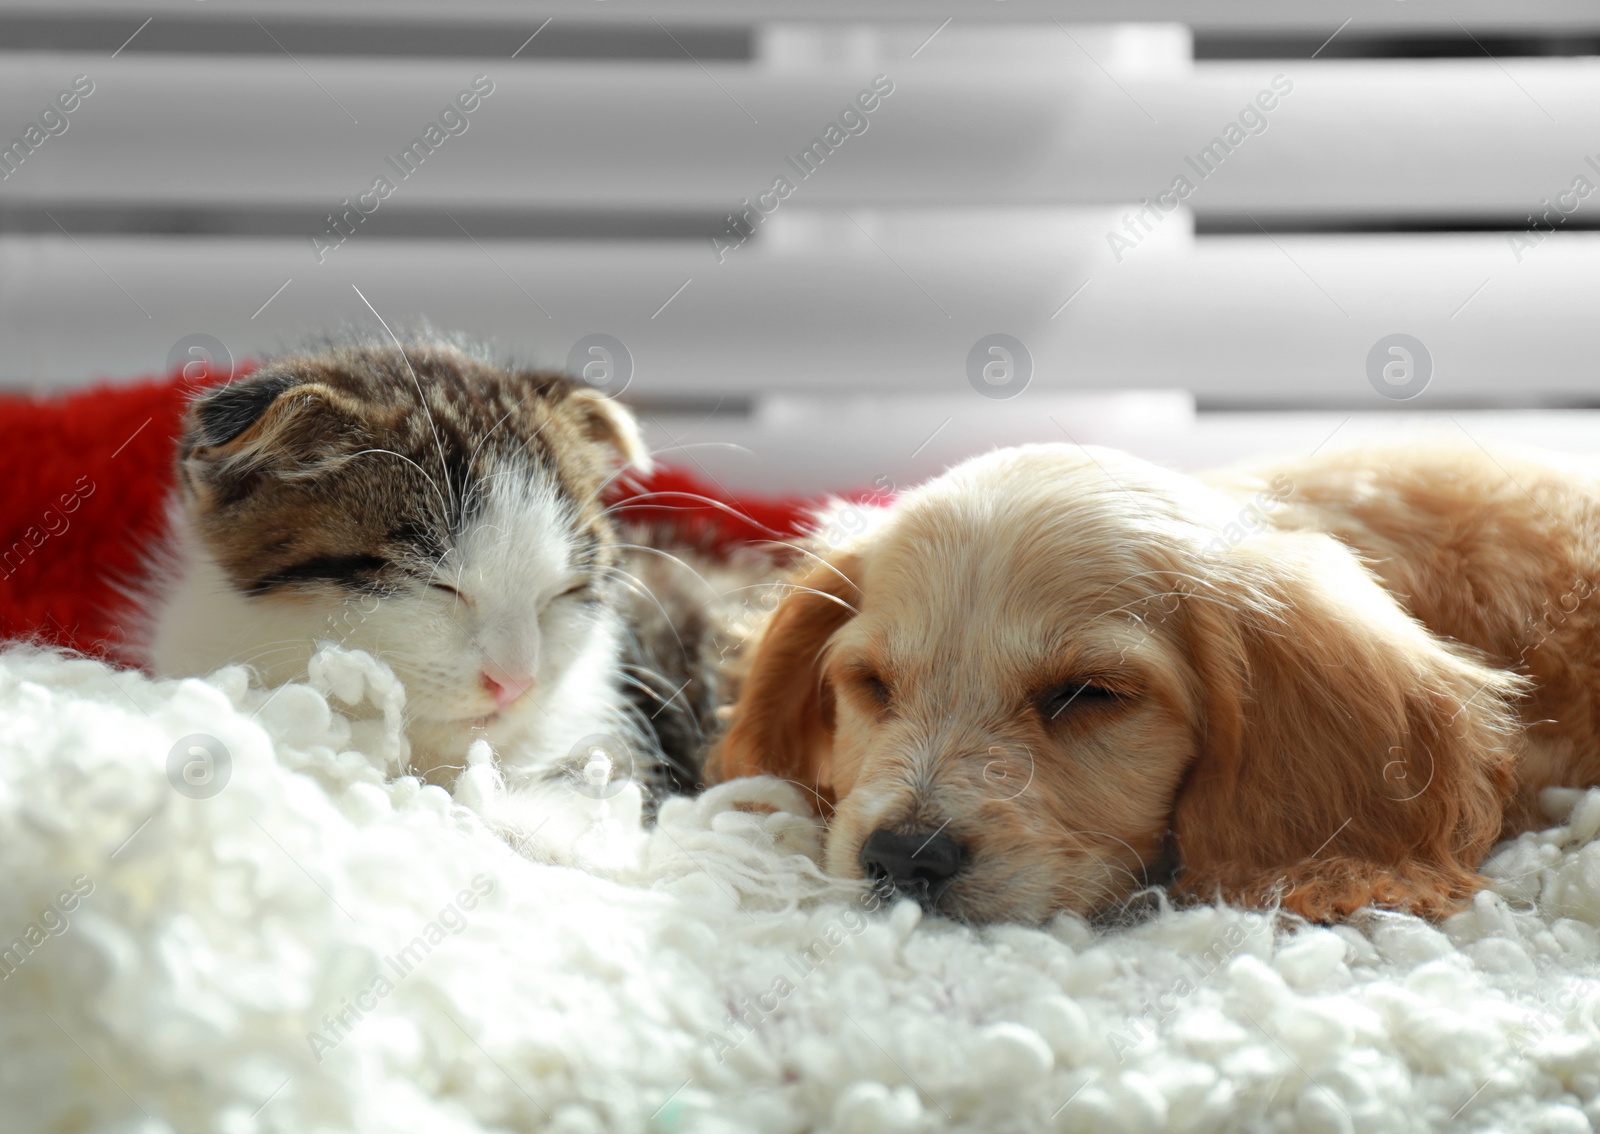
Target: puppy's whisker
{"x":1106,"y":862}
{"x":1163,"y":573}
{"x":1084,"y":886}
{"x":1140,"y":601}
{"x":813,"y":789}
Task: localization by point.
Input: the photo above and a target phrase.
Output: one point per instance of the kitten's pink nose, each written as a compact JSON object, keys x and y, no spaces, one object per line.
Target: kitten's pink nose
{"x":504,"y":687}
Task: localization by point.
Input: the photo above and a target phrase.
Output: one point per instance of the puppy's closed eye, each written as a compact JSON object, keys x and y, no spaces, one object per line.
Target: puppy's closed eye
{"x":1057,"y":700}
{"x":871,"y":690}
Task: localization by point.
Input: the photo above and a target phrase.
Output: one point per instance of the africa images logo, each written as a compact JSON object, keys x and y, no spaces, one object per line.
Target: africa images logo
{"x":1251,"y":120}
{"x":852,"y":121}
{"x":52,"y":122}
{"x":451,"y":122}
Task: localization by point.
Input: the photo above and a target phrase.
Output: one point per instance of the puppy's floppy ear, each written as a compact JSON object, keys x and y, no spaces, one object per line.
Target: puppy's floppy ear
{"x":783,"y":719}
{"x":608,"y":421}
{"x":1348,"y":756}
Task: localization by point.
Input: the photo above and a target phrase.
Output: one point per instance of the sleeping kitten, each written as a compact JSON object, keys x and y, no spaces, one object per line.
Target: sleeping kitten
{"x":429,"y":507}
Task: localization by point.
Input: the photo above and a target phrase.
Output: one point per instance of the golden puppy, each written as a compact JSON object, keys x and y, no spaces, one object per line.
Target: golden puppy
{"x":1331,"y":683}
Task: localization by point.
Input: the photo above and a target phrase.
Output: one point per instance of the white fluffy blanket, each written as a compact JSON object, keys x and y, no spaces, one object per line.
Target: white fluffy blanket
{"x":268,"y":932}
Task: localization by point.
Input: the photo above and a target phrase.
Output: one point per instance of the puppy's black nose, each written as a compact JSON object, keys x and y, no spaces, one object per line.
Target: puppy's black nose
{"x":920,"y":864}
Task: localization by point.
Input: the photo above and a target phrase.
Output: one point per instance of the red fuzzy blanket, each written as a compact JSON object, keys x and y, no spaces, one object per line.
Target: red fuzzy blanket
{"x":86,"y":477}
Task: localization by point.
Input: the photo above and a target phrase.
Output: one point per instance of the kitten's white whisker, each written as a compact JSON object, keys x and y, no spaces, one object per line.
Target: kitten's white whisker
{"x":638,"y":587}
{"x":432,"y":483}
{"x":796,"y":587}
{"x":809,"y":554}
{"x":616,"y":474}
{"x":645,"y":687}
{"x":444,"y":465}
{"x":698,"y":499}
{"x":684,"y":448}
{"x":490,"y":431}
{"x":672,"y":558}
{"x":633,"y":583}
{"x":672,"y":693}
{"x":253,"y":661}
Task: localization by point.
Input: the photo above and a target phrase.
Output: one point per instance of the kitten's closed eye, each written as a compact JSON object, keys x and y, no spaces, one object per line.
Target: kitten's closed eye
{"x":578,"y":590}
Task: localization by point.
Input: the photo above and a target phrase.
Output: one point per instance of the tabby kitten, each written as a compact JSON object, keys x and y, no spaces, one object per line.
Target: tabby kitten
{"x":430,"y":507}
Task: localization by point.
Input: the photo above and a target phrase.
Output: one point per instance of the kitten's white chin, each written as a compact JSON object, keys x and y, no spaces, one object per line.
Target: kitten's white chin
{"x":541,"y":728}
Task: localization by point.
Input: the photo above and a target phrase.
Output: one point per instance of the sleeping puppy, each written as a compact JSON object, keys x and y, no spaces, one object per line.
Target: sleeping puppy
{"x":1327,"y":684}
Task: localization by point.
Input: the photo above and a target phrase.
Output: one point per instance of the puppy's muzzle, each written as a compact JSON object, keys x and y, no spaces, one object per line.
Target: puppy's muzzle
{"x":920,"y":864}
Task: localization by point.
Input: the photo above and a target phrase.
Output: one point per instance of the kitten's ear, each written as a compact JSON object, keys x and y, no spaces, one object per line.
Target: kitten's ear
{"x":271,"y":419}
{"x":221,"y":413}
{"x":609,"y":422}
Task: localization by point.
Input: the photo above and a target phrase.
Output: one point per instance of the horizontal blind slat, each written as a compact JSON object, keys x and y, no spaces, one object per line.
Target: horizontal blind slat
{"x":1246,"y":14}
{"x":1454,"y":137}
{"x":896,"y":309}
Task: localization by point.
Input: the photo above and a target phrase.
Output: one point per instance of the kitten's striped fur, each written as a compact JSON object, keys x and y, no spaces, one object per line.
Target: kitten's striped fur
{"x":436,"y":509}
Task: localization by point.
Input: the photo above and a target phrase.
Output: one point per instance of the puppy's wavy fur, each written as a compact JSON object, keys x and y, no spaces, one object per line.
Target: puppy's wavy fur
{"x":1329,"y":684}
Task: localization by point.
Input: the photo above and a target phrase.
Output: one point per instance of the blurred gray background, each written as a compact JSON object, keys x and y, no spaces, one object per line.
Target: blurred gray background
{"x":1388,"y":224}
